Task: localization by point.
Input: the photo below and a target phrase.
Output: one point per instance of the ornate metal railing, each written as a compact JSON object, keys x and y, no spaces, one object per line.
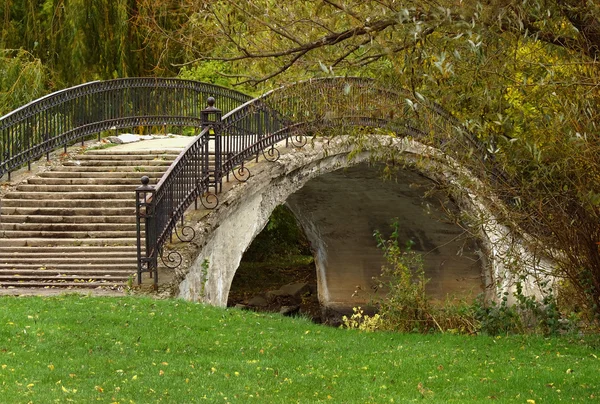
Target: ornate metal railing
{"x":289,"y":114}
{"x":71,"y":115}
{"x":160,"y":208}
{"x":256,"y":126}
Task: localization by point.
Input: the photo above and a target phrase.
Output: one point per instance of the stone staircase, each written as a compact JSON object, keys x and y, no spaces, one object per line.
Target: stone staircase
{"x":74,"y":226}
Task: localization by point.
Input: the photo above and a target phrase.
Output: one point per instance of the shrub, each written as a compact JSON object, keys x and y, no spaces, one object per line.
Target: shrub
{"x":361,"y":321}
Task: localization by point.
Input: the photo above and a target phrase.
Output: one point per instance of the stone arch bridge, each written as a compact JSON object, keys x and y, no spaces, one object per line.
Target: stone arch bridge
{"x":273,"y":146}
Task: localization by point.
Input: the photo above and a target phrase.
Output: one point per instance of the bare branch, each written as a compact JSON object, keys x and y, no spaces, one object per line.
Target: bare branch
{"x":345,"y":10}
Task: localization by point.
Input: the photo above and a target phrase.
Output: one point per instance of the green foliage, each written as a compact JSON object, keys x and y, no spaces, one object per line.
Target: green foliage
{"x":406,"y":307}
{"x":84,"y":40}
{"x":204,"y":277}
{"x":23,"y":78}
{"x":282,"y":237}
{"x":525,"y":315}
{"x":215,"y":72}
{"x":361,"y":321}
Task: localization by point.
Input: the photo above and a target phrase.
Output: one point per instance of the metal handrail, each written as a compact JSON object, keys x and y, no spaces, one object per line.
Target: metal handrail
{"x":67,"y":116}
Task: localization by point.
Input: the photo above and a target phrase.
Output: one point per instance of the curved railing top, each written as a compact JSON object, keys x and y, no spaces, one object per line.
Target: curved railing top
{"x":333,"y":98}
{"x":49,"y":100}
{"x":69,"y":115}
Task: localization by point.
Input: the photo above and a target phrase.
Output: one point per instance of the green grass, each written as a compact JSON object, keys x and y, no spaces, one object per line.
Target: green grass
{"x":84,"y":349}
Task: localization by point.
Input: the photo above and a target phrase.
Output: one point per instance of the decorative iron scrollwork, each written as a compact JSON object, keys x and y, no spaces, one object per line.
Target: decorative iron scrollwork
{"x":241,"y":173}
{"x":298,"y":141}
{"x":173,"y":259}
{"x":209,"y":200}
{"x":187,"y":234}
{"x":271,"y":154}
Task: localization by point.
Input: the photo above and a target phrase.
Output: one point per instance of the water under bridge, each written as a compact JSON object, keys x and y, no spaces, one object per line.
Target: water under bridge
{"x":318,"y":146}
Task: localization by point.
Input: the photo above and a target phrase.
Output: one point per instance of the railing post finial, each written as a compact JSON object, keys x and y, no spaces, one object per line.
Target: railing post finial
{"x":210,"y":115}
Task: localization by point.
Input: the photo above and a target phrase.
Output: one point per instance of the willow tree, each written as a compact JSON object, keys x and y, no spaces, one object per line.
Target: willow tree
{"x":77,"y":41}
{"x":523,"y":75}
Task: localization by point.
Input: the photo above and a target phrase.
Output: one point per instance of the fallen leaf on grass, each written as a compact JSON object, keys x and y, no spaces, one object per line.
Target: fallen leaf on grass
{"x":425,"y":392}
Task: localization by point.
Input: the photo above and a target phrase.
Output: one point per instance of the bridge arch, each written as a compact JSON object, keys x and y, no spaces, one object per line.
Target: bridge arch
{"x":228,"y":231}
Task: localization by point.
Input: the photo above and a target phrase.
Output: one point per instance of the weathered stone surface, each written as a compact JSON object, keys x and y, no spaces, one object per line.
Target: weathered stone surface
{"x":114,"y":139}
{"x":226,"y":232}
{"x":257,"y":301}
{"x":296,"y":290}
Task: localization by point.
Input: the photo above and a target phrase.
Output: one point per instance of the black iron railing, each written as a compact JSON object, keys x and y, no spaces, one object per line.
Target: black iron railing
{"x":288,"y":114}
{"x":161,"y":208}
{"x":71,"y":115}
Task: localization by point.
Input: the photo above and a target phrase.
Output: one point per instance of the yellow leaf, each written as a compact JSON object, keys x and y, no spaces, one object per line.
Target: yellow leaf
{"x":4,"y":366}
{"x":161,"y":372}
{"x":99,"y":389}
{"x":164,"y":363}
{"x":134,"y":377}
{"x":30,"y":385}
{"x":64,"y":389}
{"x":51,"y":366}
{"x":530,"y":401}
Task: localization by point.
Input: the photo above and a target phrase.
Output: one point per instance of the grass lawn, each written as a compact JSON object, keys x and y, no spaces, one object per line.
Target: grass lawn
{"x":84,"y":349}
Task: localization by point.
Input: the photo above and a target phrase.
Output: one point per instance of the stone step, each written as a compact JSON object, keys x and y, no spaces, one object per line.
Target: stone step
{"x":66,"y":211}
{"x":35,"y":251}
{"x":122,"y":164}
{"x":122,"y":169}
{"x":23,"y":195}
{"x":126,"y":157}
{"x":58,"y":270}
{"x":109,"y":151}
{"x":70,"y":203}
{"x":66,"y":258}
{"x":68,"y":227}
{"x":101,"y":174}
{"x":83,"y":236}
{"x":77,"y":267}
{"x":46,"y":219}
{"x":70,"y":257}
{"x":131,"y":182}
{"x":45,"y":242}
{"x":33,"y":284}
{"x":76,"y":188}
{"x":51,"y":278}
